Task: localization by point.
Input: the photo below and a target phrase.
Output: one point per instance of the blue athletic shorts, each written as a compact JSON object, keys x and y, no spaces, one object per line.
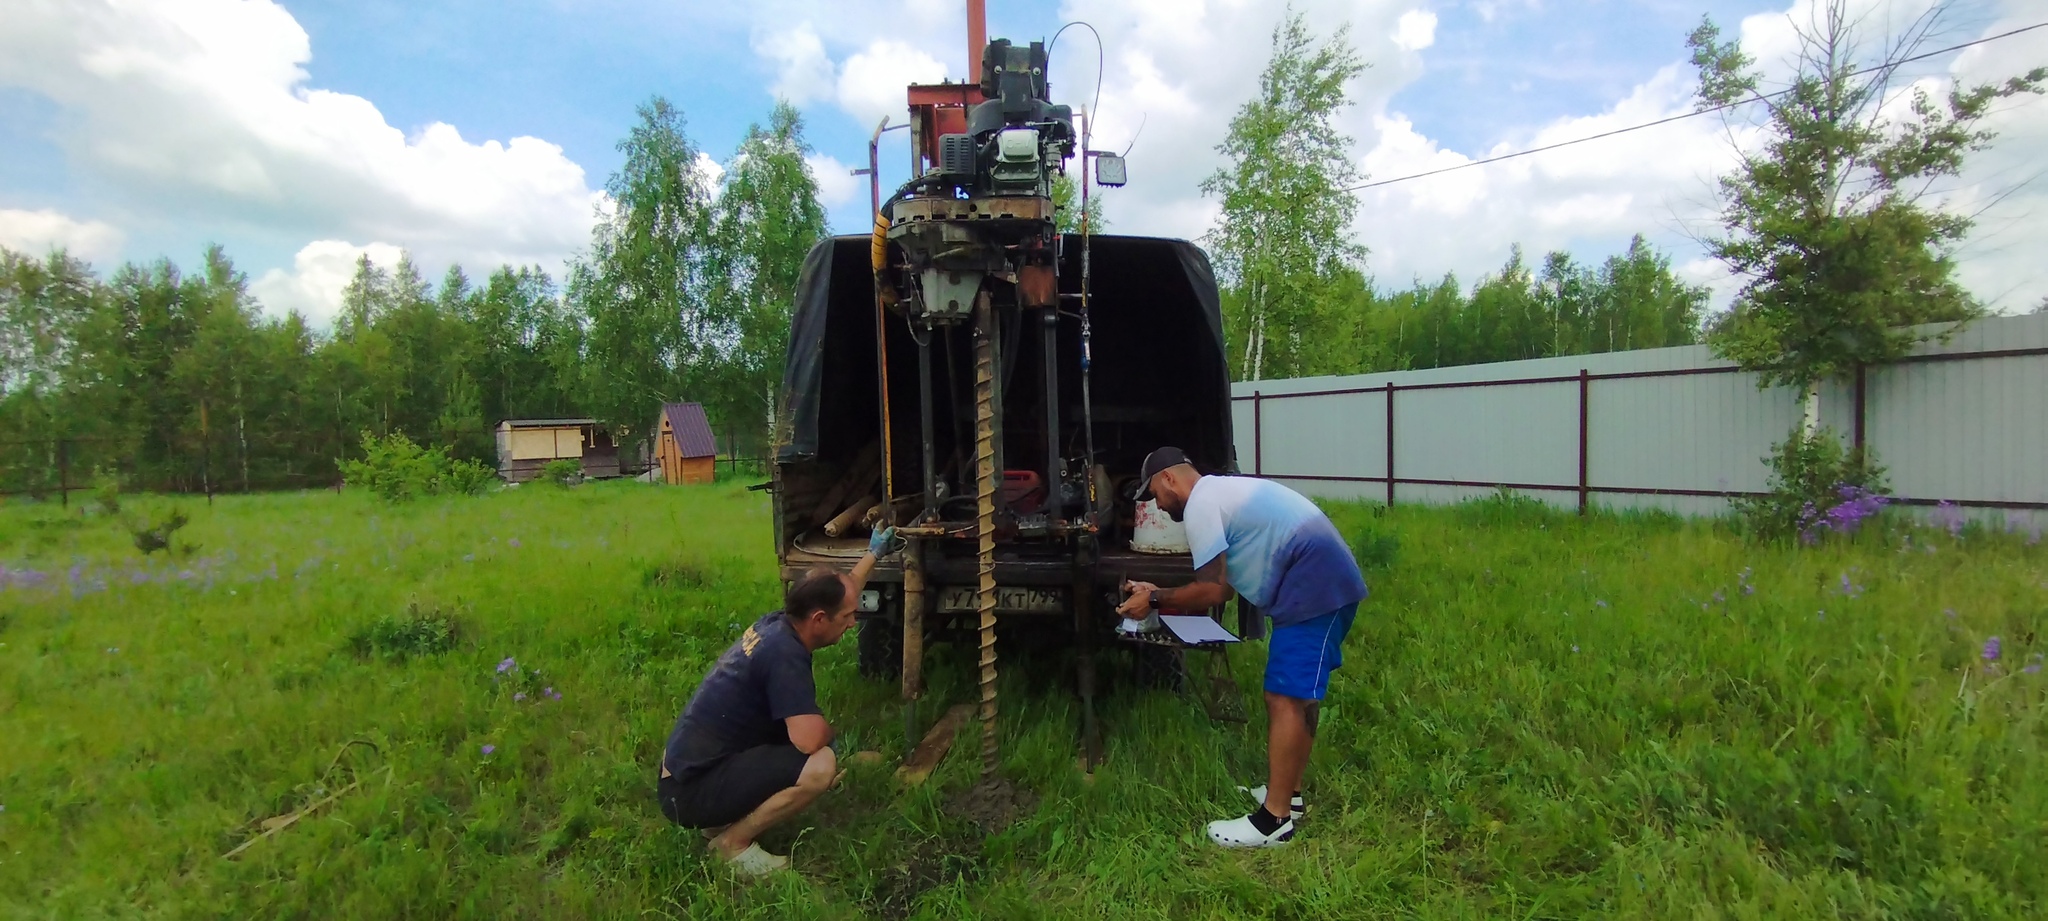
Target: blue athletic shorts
{"x":1300,"y":657}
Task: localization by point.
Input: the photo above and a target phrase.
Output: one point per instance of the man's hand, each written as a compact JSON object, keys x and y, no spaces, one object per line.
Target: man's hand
{"x":1137,"y":600}
{"x":884,"y":542}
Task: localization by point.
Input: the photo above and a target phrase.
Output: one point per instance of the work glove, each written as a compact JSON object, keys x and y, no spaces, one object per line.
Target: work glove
{"x":884,"y":542}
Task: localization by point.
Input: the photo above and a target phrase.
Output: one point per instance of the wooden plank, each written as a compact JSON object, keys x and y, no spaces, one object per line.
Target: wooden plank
{"x":932,"y":750}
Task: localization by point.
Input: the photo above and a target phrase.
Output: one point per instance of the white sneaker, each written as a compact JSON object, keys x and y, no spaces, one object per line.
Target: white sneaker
{"x":1240,"y":832}
{"x":1294,"y":806}
{"x":757,"y":863}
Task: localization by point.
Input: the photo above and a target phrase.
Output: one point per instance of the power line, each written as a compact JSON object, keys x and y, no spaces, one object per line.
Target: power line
{"x":1669,"y":120}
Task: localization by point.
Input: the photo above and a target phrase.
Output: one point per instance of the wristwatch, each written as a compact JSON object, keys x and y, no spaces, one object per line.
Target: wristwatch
{"x":1152,"y":599}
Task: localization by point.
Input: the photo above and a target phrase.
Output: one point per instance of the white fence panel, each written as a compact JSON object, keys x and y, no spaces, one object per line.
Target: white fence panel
{"x":1964,"y":421}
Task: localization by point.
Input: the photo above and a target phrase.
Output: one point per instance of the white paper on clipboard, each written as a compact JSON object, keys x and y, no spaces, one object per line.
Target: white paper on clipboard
{"x":1195,"y":630}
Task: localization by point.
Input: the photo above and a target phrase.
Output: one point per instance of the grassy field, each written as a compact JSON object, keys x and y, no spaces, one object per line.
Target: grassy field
{"x":1538,"y":717}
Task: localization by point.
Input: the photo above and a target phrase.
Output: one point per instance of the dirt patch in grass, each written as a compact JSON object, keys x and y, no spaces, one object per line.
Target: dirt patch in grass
{"x":992,"y":804}
{"x":941,"y":861}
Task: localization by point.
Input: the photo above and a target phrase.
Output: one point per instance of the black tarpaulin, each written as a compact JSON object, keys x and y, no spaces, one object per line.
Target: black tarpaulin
{"x":1157,"y":346}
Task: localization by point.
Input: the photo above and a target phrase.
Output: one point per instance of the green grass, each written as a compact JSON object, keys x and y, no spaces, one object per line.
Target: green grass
{"x":1539,"y":716}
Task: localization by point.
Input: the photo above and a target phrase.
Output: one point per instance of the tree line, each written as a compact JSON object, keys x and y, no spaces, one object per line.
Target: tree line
{"x":177,"y":379}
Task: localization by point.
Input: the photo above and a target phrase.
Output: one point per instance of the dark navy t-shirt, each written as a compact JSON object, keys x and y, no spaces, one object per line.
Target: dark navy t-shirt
{"x":763,"y":679}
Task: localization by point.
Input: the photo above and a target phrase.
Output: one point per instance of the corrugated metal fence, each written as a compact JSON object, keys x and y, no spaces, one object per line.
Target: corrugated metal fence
{"x":1964,"y":421}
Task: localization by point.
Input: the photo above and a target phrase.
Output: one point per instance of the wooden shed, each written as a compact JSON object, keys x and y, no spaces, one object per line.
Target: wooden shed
{"x":526,"y":445}
{"x":683,"y":445}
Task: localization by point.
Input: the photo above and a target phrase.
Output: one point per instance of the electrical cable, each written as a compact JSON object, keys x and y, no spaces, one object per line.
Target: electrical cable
{"x":1095,"y":106}
{"x":1665,"y":121}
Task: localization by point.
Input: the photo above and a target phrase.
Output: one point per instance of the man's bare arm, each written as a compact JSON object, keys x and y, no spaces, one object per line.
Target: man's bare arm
{"x":809,"y":732}
{"x":861,"y":570}
{"x":1209,"y":589}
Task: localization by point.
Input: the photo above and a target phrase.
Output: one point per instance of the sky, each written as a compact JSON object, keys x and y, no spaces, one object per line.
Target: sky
{"x":301,"y":134}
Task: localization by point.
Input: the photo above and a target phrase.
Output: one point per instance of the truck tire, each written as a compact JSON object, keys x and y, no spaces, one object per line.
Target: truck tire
{"x":880,"y":645}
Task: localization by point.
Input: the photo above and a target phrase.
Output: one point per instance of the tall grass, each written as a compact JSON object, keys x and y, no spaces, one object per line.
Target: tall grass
{"x":1539,"y":716}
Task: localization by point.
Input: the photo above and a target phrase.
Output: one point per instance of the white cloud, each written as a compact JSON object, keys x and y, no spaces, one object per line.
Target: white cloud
{"x":319,"y":272}
{"x":1415,"y":30}
{"x":871,"y":84}
{"x":201,"y":111}
{"x":710,"y":174}
{"x":803,"y":72}
{"x":836,"y":186}
{"x":37,"y":232}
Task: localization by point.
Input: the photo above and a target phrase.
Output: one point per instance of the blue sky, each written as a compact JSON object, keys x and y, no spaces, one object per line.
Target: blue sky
{"x":220,"y":139}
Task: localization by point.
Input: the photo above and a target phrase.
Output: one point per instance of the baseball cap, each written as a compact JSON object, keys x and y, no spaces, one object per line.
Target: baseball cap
{"x":1159,"y":459}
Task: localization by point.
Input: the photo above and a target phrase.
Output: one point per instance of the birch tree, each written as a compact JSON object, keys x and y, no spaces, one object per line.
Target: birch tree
{"x":1828,"y":223}
{"x":1282,"y":244}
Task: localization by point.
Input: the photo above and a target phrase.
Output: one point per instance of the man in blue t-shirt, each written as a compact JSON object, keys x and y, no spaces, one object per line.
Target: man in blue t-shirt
{"x":1280,"y":552}
{"x":752,"y":749}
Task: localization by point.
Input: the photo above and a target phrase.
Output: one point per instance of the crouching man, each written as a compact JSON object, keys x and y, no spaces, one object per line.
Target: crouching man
{"x":752,"y":749}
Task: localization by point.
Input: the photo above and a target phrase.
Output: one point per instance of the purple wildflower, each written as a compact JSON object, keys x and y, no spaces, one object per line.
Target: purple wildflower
{"x":1748,"y":589}
{"x":519,"y":697}
{"x":513,"y":542}
{"x":1719,"y":597}
{"x":488,"y":748}
{"x":1991,"y":649}
{"x":2033,"y":664}
{"x":1599,"y":602}
{"x":469,"y":557}
{"x":1575,"y":647}
{"x":1949,"y":517}
{"x":507,"y":665}
{"x":1951,"y":612}
{"x":552,"y":693}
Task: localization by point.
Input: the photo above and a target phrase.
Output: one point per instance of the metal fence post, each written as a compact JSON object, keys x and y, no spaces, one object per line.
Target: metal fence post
{"x":1390,"y":444}
{"x":1258,"y":435}
{"x":1585,"y":384}
{"x":1859,"y":405}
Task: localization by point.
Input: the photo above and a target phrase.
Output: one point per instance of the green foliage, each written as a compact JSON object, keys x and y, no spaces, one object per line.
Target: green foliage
{"x":397,"y":470}
{"x":1374,"y":547}
{"x":686,"y":295}
{"x":1825,"y":222}
{"x":1066,"y":204}
{"x":1807,"y":475}
{"x":416,"y":634}
{"x":1630,"y":301}
{"x":1506,"y":507}
{"x":1530,"y":721}
{"x":765,"y":222}
{"x":561,"y":472}
{"x":151,"y":533}
{"x":106,"y":493}
{"x":1282,"y":240}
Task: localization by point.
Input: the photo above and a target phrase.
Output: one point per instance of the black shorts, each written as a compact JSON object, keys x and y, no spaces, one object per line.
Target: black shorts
{"x":726,"y":791}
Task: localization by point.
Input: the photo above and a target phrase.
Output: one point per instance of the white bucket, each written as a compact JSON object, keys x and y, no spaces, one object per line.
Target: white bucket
{"x":1157,"y":532}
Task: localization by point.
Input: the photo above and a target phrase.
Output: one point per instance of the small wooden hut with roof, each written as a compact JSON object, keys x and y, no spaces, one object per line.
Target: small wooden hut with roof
{"x":684,"y":449}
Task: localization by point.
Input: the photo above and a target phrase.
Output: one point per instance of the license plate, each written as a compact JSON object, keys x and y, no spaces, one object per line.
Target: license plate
{"x":956,"y":598}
